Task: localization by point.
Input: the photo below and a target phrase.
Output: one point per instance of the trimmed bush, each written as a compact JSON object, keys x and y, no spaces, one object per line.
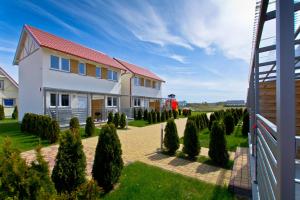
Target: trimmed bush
{"x":74,"y":125}
{"x":229,"y":123}
{"x":158,"y":116}
{"x":163,"y":116}
{"x":166,"y":115}
{"x":212,"y":118}
{"x":175,"y":114}
{"x":170,"y":113}
{"x":108,"y":162}
{"x":134,"y":114}
{"x":145,"y":115}
{"x":116,"y":119}
{"x":2,"y":115}
{"x":140,"y":114}
{"x":153,"y":115}
{"x":179,"y":112}
{"x":245,"y":128}
{"x":123,"y":121}
{"x":150,"y":120}
{"x":171,"y":139}
{"x":15,"y":113}
{"x":110,"y":117}
{"x":217,"y":144}
{"x":70,"y":163}
{"x":190,"y":140}
{"x":54,"y":132}
{"x":89,"y":127}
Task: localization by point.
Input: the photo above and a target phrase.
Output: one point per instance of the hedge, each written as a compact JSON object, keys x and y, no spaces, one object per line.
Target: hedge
{"x":1,"y":112}
{"x":40,"y":125}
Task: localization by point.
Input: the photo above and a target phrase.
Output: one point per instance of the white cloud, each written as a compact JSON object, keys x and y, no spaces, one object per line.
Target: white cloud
{"x":7,"y":49}
{"x":178,"y":58}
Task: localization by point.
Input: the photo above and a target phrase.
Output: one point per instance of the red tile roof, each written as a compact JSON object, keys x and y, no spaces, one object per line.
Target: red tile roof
{"x":139,"y":70}
{"x":51,"y":41}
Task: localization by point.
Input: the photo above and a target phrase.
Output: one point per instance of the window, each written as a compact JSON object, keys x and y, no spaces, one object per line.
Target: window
{"x":53,"y":100}
{"x":65,"y":100}
{"x":1,"y":84}
{"x":98,"y":72}
{"x":65,"y":64}
{"x":81,"y":69}
{"x":8,"y":102}
{"x":148,"y":83}
{"x":137,"y":102}
{"x":153,"y":84}
{"x":136,"y":81}
{"x":111,"y":101}
{"x":54,"y":62}
{"x":112,"y":75}
{"x":158,"y":86}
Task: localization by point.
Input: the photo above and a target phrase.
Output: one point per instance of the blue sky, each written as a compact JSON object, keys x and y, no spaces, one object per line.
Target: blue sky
{"x":201,"y":48}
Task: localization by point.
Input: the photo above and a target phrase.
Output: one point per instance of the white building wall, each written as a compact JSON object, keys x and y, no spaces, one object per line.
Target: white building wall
{"x":70,"y":81}
{"x":146,"y":91}
{"x":10,"y":91}
{"x":125,"y":90}
{"x":30,"y":84}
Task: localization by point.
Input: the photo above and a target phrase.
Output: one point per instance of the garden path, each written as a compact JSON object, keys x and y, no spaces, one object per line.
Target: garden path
{"x":141,"y":144}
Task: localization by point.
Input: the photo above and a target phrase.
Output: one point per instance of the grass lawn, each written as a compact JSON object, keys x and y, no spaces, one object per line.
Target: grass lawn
{"x":22,"y":141}
{"x":138,"y":123}
{"x":141,"y":181}
{"x":233,"y":140}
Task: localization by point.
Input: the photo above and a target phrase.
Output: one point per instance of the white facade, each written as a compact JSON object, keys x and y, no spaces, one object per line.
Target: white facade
{"x":8,"y":93}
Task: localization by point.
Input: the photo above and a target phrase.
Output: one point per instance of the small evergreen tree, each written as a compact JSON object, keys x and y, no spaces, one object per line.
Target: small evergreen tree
{"x":212,"y":118}
{"x":116,"y":119}
{"x":245,"y":128}
{"x":150,"y":118}
{"x":74,"y":125}
{"x":110,"y":118}
{"x":54,"y":132}
{"x":145,"y":114}
{"x":170,"y":113}
{"x":171,"y":139}
{"x":15,"y":113}
{"x":123,"y":121}
{"x":2,"y":115}
{"x":163,"y":116}
{"x":166,"y":114}
{"x":158,"y":116}
{"x":140,"y":114}
{"x":154,"y":119}
{"x":89,"y":127}
{"x":179,"y":112}
{"x":190,"y":140}
{"x":70,"y":163}
{"x":229,"y":123}
{"x":134,"y":114}
{"x":108,"y":162}
{"x":175,"y":114}
{"x":217,"y":144}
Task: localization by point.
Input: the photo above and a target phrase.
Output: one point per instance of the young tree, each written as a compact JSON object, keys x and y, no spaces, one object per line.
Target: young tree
{"x":145,"y":114}
{"x":163,"y":116}
{"x":54,"y":131}
{"x":70,"y":163}
{"x":153,"y":115}
{"x":134,"y":114}
{"x":191,"y":141}
{"x":217,"y":144}
{"x":175,"y":114}
{"x":116,"y":119}
{"x":74,"y":125}
{"x":110,"y":117}
{"x":140,"y":114}
{"x":245,"y":128}
{"x":15,"y":113}
{"x":229,"y":123}
{"x":2,"y":115}
{"x":89,"y":127}
{"x":123,"y":121}
{"x":108,"y":162}
{"x":157,"y":116}
{"x":212,"y":118}
{"x":171,"y":139}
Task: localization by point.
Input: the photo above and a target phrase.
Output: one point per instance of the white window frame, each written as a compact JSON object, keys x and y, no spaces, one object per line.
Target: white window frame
{"x":61,"y":58}
{"x":112,"y":72}
{"x":112,"y":101}
{"x":57,"y":103}
{"x":51,"y":62}
{"x":1,"y":84}
{"x":138,"y":101}
{"x":14,"y":102}
{"x":100,"y":75}
{"x":60,"y":63}
{"x":83,"y":74}
{"x":137,"y":81}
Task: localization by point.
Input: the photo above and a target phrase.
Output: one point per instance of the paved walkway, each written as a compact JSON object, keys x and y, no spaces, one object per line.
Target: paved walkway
{"x":141,"y":144}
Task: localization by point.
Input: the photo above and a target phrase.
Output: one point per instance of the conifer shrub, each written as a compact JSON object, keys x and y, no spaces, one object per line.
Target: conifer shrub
{"x":140,"y":114}
{"x":229,"y":123}
{"x":163,"y":116}
{"x":190,"y":140}
{"x":185,"y":112}
{"x":153,"y":115}
{"x":217,"y":144}
{"x":74,"y":125}
{"x":170,"y":113}
{"x":245,"y":127}
{"x":54,"y":132}
{"x":108,"y":162}
{"x":123,"y":121}
{"x":15,"y":113}
{"x":171,"y":139}
{"x":150,"y":118}
{"x":175,"y":114}
{"x":212,"y":118}
{"x":25,"y":123}
{"x":134,"y":114}
{"x":116,"y":119}
{"x":166,"y":114}
{"x":89,"y":127}
{"x":158,"y":116}
{"x":179,"y":112}
{"x":70,"y":163}
{"x":87,"y":191}
{"x":110,"y":117}
{"x":2,"y":115}
{"x":145,"y":117}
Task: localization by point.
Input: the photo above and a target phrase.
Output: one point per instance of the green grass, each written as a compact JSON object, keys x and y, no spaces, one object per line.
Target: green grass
{"x":138,"y":123}
{"x":234,"y":140}
{"x":141,"y":181}
{"x":21,"y":141}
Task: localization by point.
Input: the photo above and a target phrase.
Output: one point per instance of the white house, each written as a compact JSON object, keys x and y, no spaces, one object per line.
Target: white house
{"x":64,"y":79}
{"x":8,"y":93}
{"x":141,"y":88}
